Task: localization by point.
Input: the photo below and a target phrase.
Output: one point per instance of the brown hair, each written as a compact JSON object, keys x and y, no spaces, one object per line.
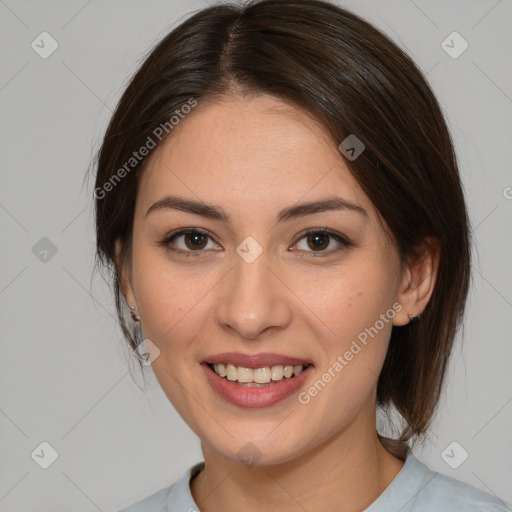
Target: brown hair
{"x":354,"y":80}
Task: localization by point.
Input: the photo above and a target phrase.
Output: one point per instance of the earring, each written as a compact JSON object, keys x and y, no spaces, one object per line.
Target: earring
{"x":135,"y":317}
{"x":413,"y":318}
{"x":141,"y":351}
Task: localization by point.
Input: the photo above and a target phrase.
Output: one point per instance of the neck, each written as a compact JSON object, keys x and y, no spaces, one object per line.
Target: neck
{"x":345,"y":473}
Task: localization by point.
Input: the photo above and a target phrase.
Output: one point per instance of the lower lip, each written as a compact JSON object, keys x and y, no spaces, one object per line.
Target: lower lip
{"x":266,"y":396}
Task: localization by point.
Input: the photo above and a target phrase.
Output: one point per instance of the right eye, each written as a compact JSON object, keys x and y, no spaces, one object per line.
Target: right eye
{"x":193,"y":241}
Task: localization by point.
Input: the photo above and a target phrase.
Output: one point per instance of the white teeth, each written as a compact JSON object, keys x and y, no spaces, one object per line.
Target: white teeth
{"x":277,"y":372}
{"x":297,"y":369}
{"x":221,"y":369}
{"x":261,"y":375}
{"x":244,"y":374}
{"x":231,"y":372}
{"x":288,"y":371}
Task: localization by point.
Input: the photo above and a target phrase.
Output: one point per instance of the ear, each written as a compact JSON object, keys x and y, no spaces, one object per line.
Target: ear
{"x":124,"y":274}
{"x":418,"y":280}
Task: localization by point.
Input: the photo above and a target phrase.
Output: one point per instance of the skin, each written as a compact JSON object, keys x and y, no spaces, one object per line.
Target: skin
{"x":254,"y":157}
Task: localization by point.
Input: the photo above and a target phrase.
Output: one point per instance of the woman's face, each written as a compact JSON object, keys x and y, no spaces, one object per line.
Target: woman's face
{"x":260,"y":281}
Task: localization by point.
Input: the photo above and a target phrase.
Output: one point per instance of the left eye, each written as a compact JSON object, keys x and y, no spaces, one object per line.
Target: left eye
{"x":319,"y":240}
{"x":195,"y":241}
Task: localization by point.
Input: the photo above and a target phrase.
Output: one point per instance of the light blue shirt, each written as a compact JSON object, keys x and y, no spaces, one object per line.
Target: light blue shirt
{"x":415,"y":489}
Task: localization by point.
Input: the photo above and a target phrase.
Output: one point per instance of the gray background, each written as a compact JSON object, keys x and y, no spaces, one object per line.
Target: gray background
{"x":65,"y":371}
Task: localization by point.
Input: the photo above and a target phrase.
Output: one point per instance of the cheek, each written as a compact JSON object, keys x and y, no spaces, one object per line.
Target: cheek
{"x":351,"y":299}
{"x":171,"y":316}
{"x":171,"y":299}
{"x":353,"y":316}
{"x":174,"y":306}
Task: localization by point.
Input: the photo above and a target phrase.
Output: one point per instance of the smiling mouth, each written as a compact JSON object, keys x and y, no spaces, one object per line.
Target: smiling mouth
{"x":258,"y":377}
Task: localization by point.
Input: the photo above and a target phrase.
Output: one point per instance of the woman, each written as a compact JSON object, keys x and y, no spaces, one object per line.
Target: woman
{"x":278,"y":200}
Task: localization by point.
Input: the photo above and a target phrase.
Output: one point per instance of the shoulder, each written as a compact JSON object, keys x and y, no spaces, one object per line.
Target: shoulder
{"x":443,"y":493}
{"x":173,"y":498}
{"x":156,"y":502}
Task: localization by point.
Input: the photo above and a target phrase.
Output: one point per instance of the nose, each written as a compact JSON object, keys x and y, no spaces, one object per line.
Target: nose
{"x":252,"y":299}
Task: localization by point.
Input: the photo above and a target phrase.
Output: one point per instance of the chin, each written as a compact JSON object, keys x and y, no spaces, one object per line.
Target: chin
{"x":254,"y":449}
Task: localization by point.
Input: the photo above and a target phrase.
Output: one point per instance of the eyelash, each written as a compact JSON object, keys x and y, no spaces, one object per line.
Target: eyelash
{"x":345,"y":243}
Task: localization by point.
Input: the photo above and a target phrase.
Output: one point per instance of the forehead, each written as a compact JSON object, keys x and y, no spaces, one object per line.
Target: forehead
{"x":249,"y":154}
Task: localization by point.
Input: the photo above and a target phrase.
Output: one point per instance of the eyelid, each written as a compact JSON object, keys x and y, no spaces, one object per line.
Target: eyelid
{"x":184,"y":231}
{"x":341,"y":239}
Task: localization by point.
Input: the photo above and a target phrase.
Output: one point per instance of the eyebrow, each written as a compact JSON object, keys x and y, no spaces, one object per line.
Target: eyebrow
{"x":215,"y":212}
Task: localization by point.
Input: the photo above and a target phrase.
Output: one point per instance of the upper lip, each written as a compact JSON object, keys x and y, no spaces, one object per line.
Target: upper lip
{"x":255,"y":360}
